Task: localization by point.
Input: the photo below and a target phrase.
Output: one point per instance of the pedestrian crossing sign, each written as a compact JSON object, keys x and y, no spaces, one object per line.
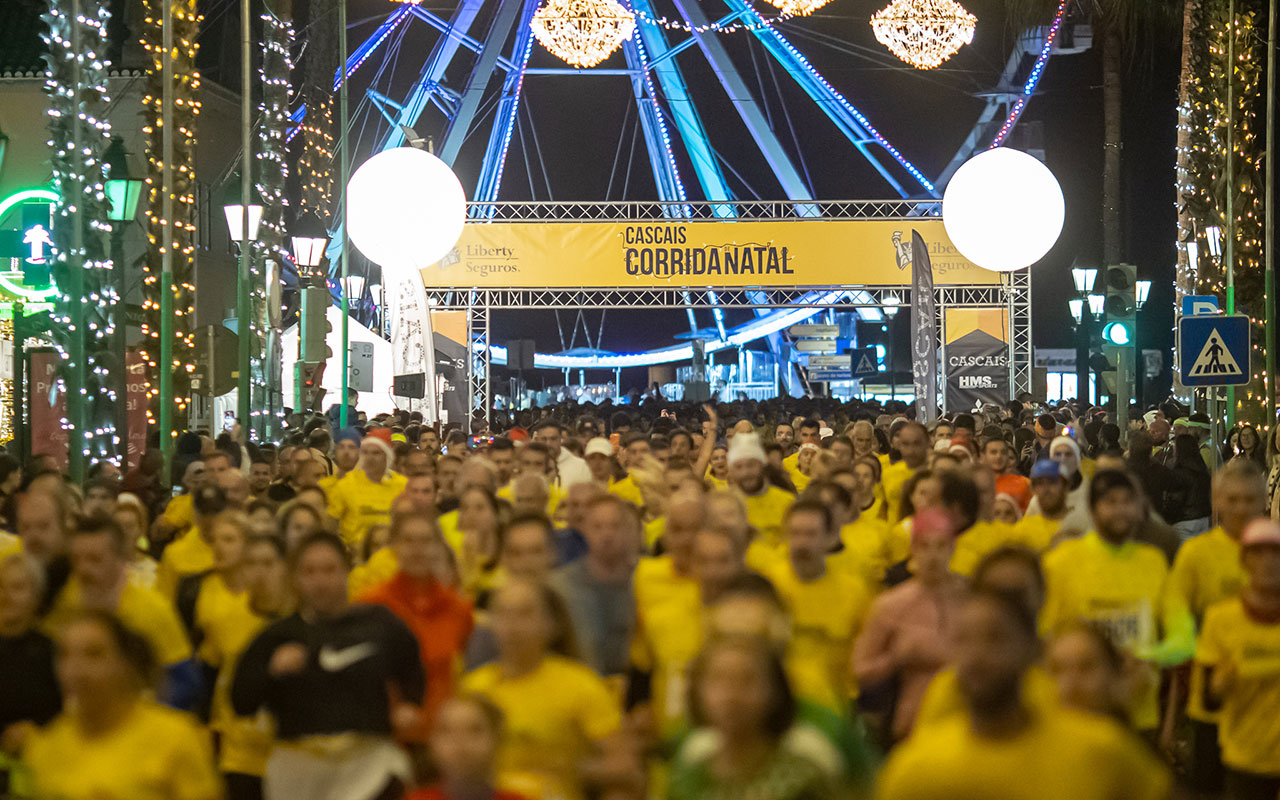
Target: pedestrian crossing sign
{"x":1214,"y":350}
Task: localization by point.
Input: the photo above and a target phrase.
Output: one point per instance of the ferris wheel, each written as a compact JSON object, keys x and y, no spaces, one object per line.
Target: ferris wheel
{"x":489,"y":44}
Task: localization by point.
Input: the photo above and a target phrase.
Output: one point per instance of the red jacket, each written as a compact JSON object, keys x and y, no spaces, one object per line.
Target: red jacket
{"x":437,"y":793}
{"x":442,"y":622}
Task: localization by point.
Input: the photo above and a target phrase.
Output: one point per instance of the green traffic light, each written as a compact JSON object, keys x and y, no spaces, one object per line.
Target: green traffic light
{"x":1117,"y":333}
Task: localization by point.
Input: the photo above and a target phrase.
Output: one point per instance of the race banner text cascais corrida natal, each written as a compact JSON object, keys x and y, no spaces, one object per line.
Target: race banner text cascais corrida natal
{"x":699,"y":254}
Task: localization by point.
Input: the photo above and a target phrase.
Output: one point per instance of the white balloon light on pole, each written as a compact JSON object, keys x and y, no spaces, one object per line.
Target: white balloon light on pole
{"x":405,"y":210}
{"x":1003,"y":210}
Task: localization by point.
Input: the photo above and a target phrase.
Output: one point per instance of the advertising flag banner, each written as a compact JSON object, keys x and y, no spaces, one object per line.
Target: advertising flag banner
{"x":412,"y":350}
{"x":924,"y":329}
{"x":977,"y":357}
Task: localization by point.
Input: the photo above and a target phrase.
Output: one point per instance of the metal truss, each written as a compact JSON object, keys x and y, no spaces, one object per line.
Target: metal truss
{"x":767,"y":297}
{"x":478,"y":364}
{"x":728,"y":211}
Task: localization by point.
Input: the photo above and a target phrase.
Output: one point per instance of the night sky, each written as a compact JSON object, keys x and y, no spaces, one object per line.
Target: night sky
{"x":586,"y":135}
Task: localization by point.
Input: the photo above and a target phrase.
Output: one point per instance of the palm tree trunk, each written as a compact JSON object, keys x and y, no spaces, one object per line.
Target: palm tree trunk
{"x":1112,"y":64}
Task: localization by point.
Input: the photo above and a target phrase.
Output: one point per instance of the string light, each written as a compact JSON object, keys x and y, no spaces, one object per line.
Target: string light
{"x":711,"y":27}
{"x":76,"y":82}
{"x":799,"y":8}
{"x":582,"y":32}
{"x":1202,"y":185}
{"x":270,"y":248}
{"x":923,"y":33}
{"x":1029,"y":89}
{"x":178,"y":235}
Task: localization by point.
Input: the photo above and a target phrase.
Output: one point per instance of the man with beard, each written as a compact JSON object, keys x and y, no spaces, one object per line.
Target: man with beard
{"x":1050,"y":485}
{"x":913,"y":445}
{"x":1121,"y":584}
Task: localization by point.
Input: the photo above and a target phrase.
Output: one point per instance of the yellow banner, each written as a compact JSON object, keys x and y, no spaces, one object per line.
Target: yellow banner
{"x":699,"y":254}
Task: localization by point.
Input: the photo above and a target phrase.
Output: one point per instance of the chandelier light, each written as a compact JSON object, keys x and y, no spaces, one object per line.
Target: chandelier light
{"x":798,"y":8}
{"x":924,"y":33}
{"x":582,"y":32}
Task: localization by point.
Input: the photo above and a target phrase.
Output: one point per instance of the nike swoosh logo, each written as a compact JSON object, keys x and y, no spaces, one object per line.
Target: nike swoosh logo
{"x":337,"y":660}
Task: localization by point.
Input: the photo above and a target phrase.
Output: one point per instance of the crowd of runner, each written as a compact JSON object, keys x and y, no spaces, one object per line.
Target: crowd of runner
{"x":793,"y":600}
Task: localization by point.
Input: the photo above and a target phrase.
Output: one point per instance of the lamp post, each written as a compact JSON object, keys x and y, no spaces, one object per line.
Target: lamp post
{"x":242,"y":223}
{"x":1083,"y":278}
{"x":1142,"y":291}
{"x":123,"y":188}
{"x":891,"y":303}
{"x":309,"y":242}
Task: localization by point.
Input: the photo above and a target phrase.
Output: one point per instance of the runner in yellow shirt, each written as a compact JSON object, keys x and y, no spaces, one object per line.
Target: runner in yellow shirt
{"x":1050,"y":487}
{"x":100,"y":582}
{"x":766,"y":504}
{"x":559,"y":715}
{"x":913,"y":444}
{"x":112,"y":742}
{"x":1207,"y":571}
{"x":1005,"y":748}
{"x":191,"y":553}
{"x":363,"y":498}
{"x":346,"y":454}
{"x":1107,"y":577}
{"x":1240,"y":649}
{"x":827,"y":607}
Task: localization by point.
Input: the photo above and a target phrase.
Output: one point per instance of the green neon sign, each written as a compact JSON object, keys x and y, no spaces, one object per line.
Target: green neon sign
{"x":17,"y":198}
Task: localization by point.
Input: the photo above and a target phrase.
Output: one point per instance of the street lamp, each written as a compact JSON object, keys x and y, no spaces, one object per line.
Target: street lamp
{"x":354,"y":287}
{"x":1077,"y":309}
{"x":123,"y":185}
{"x":233,"y":209}
{"x":243,"y":210}
{"x":123,"y":189}
{"x":309,"y":242}
{"x":1143,"y":290}
{"x":1213,"y":235}
{"x":1097,"y":304}
{"x":1084,"y":278}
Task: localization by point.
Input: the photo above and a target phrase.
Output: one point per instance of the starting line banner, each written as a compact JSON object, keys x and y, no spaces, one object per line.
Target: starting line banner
{"x":713,"y":254}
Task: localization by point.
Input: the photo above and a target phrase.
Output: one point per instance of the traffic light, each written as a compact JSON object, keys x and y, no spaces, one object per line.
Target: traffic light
{"x":1121,"y":305}
{"x":1119,"y":333}
{"x":309,"y":379}
{"x":314,"y":321}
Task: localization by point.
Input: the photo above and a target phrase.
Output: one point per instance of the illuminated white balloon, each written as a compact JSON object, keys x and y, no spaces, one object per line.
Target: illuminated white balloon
{"x":405,"y":210}
{"x":1003,"y":209}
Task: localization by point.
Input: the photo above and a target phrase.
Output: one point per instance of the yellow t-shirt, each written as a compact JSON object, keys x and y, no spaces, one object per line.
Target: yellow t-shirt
{"x":156,"y":753}
{"x":380,"y":568}
{"x":452,"y":534}
{"x":9,"y":544}
{"x":1249,"y":723}
{"x":826,"y":615}
{"x":892,"y":479}
{"x":943,"y":698}
{"x":974,"y":544}
{"x":552,"y":717}
{"x":1036,"y":531}
{"x":653,"y":530}
{"x":142,"y":610}
{"x":1205,"y":572}
{"x":765,"y":512}
{"x":628,"y":490}
{"x":181,"y":513}
{"x":358,"y":503}
{"x":229,"y":625}
{"x":1125,"y":589}
{"x":188,"y":555}
{"x":668,"y":636}
{"x":864,"y":555}
{"x":1062,"y":755}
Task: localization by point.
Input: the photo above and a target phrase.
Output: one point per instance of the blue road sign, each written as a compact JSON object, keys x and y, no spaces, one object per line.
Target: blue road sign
{"x":1196,"y":304}
{"x":864,"y":362}
{"x":1214,"y":350}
